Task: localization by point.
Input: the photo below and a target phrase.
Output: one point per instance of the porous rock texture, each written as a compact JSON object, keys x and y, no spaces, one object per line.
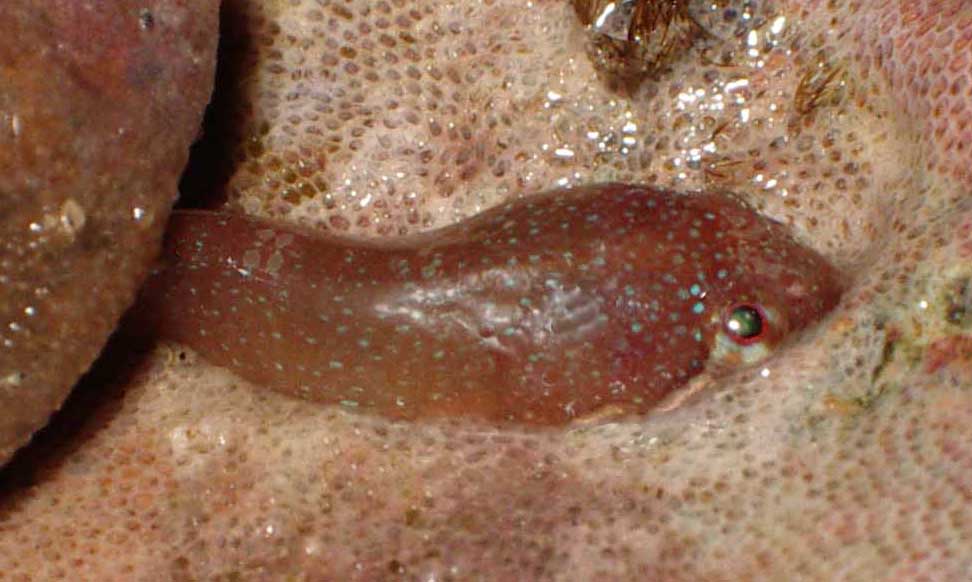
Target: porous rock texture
{"x":844,"y":456}
{"x":99,"y":103}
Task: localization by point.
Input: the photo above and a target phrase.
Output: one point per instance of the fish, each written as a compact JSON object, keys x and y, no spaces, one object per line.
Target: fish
{"x":543,"y":311}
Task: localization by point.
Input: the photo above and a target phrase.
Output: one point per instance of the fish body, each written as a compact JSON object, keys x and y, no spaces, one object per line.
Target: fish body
{"x":537,"y":312}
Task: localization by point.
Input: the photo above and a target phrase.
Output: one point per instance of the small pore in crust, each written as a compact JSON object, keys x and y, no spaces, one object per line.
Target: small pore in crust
{"x":539,"y":312}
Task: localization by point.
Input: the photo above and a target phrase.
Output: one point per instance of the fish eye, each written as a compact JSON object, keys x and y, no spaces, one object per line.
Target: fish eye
{"x":745,"y":323}
{"x":747,"y":332}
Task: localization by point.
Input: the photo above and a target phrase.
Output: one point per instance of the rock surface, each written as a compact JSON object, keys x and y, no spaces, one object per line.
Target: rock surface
{"x":99,"y":103}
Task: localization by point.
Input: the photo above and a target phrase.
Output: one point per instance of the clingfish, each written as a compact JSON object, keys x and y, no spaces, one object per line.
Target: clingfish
{"x":537,"y":312}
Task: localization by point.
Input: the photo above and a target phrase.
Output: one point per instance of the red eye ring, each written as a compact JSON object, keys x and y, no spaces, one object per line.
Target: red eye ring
{"x":745,"y":323}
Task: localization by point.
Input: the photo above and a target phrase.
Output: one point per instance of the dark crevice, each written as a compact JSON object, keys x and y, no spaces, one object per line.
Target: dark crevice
{"x":887,"y":356}
{"x":211,"y":163}
{"x":93,"y":402}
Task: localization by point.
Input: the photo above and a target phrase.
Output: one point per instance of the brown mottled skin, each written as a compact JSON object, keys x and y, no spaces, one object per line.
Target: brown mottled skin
{"x":538,"y":311}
